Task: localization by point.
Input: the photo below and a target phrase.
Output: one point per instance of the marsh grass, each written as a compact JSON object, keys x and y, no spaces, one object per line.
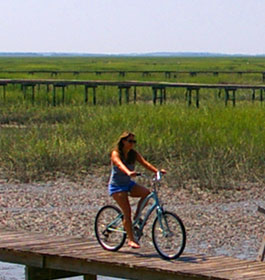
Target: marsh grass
{"x":213,"y":146}
{"x":136,"y":63}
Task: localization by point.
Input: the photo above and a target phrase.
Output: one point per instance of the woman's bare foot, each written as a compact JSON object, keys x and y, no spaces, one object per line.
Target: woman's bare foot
{"x":133,"y":245}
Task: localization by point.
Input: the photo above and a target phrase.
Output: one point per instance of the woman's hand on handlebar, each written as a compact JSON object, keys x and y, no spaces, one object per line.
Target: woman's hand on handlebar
{"x":132,"y":174}
{"x":163,"y":171}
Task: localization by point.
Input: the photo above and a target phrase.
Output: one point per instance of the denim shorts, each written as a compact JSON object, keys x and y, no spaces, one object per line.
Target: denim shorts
{"x":127,"y":188}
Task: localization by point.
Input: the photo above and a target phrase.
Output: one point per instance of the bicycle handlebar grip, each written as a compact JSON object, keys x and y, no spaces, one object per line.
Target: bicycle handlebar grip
{"x":158,"y":175}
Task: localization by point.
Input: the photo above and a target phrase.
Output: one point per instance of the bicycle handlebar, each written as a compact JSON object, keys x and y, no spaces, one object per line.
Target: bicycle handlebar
{"x":158,"y":176}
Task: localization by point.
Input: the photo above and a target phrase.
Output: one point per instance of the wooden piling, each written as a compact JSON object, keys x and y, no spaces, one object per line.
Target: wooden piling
{"x":134,"y":94}
{"x":253,"y":96}
{"x":189,"y":92}
{"x":228,"y":96}
{"x":4,"y":93}
{"x":54,"y":96}
{"x":164,"y":94}
{"x":94,"y":97}
{"x":154,"y":95}
{"x":86,"y":95}
{"x":35,"y":273}
{"x":197,"y":98}
{"x":63,"y":94}
{"x":127,"y":91}
{"x":33,"y":94}
{"x":120,"y":95}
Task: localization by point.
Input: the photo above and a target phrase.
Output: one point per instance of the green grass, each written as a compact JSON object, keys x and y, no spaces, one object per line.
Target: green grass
{"x":214,"y":146}
{"x":139,"y":64}
{"x":132,"y":63}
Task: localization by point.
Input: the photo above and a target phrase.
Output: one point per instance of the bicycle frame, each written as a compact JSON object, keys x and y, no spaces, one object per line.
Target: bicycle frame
{"x":156,"y":205}
{"x":150,"y":210}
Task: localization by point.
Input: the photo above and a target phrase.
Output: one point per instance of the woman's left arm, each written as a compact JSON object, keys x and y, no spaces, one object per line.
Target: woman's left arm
{"x":145,"y":163}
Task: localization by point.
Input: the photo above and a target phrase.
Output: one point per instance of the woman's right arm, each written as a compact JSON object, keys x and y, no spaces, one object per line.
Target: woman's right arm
{"x":115,"y":158}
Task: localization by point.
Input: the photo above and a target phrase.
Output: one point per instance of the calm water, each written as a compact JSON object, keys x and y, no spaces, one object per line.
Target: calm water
{"x":16,"y":272}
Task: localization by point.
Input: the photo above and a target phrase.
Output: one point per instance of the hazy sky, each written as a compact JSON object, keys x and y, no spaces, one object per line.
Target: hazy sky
{"x":126,"y":26}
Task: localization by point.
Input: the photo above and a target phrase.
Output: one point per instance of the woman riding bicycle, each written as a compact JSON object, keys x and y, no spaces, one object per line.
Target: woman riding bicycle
{"x":123,"y":159}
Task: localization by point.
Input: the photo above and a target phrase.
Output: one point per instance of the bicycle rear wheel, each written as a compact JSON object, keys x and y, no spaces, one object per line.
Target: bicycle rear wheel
{"x":169,"y":235}
{"x":109,"y":228}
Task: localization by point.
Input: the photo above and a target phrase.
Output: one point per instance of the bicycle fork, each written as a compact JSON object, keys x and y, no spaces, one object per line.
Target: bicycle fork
{"x":163,"y":222}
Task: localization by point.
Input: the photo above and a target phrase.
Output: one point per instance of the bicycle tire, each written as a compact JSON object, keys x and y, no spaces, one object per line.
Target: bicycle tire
{"x":109,"y":236}
{"x":170,"y":242}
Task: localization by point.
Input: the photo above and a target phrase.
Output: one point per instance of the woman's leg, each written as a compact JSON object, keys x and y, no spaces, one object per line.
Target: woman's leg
{"x":139,"y":191}
{"x":122,"y":199}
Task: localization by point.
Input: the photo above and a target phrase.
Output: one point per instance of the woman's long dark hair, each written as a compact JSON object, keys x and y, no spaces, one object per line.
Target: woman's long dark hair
{"x":131,"y":157}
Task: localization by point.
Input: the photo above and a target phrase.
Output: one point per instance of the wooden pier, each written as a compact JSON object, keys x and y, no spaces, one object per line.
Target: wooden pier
{"x":158,"y":89}
{"x":54,"y":257}
{"x":145,"y":73}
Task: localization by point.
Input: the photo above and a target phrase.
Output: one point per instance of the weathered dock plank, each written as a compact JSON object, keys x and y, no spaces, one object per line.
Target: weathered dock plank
{"x":68,"y":255}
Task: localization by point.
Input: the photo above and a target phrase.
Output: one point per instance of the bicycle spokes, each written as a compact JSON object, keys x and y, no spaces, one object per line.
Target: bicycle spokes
{"x":169,"y":235}
{"x":108,"y":228}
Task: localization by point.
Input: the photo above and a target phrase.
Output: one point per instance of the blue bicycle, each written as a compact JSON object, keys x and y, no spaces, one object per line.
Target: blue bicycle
{"x":168,"y":231}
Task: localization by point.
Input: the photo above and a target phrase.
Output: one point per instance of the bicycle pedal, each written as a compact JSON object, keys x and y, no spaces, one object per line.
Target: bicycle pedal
{"x":137,"y":233}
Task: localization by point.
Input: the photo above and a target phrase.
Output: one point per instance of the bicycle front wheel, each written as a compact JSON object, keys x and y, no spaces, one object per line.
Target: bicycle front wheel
{"x":169,"y":235}
{"x":109,"y":228}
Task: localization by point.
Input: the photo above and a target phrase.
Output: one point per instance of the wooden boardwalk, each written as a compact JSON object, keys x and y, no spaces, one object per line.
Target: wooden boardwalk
{"x":48,"y":257}
{"x":96,"y":83}
{"x":158,"y":89}
{"x":144,"y":73}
